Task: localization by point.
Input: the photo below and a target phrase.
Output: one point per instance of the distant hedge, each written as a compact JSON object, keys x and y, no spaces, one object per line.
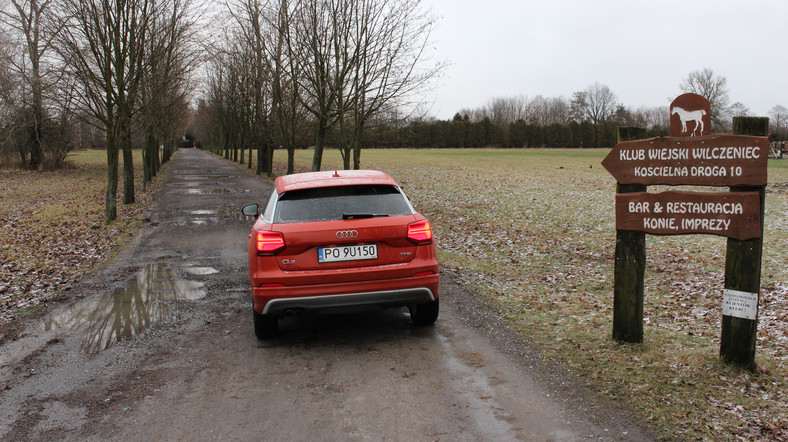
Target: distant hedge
{"x":459,"y":134}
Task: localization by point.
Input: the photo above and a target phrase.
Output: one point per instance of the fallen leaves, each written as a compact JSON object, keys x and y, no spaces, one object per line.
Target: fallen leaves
{"x":539,"y":245}
{"x":52,"y":230}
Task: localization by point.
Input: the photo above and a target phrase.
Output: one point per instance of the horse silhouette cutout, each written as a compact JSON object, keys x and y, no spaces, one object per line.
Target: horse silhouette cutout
{"x":685,"y":116}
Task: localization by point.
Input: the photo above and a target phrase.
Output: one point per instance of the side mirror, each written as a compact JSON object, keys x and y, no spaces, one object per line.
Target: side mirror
{"x":251,"y":210}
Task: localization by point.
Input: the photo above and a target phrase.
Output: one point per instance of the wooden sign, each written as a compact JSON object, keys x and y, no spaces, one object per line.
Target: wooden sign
{"x":690,"y":116}
{"x":734,"y":215}
{"x":711,"y":160}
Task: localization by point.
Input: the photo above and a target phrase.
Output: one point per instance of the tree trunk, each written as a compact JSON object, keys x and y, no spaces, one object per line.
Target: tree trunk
{"x":317,"y":159}
{"x":357,"y":156}
{"x":357,"y":144}
{"x":36,"y":150}
{"x":128,"y":167}
{"x":260,"y":160}
{"x":346,"y":152}
{"x":149,"y":156}
{"x":22,"y":157}
{"x":110,"y":200}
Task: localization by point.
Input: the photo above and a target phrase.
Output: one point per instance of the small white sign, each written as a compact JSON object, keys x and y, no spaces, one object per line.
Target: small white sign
{"x":740,"y":304}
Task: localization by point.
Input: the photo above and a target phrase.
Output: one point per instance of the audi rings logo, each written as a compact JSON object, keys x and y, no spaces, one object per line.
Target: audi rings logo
{"x":347,"y":234}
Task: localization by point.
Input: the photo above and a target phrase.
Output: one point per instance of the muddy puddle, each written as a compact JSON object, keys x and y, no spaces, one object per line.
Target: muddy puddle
{"x":203,"y":217}
{"x":200,"y":270}
{"x":207,"y":191}
{"x":126,"y":311}
{"x":194,"y":177}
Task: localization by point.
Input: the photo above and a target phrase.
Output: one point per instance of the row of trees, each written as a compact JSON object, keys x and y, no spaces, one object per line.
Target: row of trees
{"x":588,"y":119}
{"x":290,"y":73}
{"x":598,"y":104}
{"x":330,"y":68}
{"x":119,"y":67}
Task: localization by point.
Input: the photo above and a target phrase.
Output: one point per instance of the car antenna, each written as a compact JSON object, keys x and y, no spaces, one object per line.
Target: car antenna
{"x":336,"y":174}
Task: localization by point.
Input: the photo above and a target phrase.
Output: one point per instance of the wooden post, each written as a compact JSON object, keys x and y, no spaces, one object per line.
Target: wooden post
{"x":630,"y":266}
{"x":743,"y":269}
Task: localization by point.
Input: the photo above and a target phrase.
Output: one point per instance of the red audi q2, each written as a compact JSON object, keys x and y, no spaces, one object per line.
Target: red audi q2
{"x":331,"y":240}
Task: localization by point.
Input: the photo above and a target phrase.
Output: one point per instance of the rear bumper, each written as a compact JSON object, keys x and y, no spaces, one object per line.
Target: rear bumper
{"x":388,"y":298}
{"x":387,"y":293}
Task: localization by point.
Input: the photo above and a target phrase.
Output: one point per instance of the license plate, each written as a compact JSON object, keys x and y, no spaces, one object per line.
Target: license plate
{"x":347,"y":253}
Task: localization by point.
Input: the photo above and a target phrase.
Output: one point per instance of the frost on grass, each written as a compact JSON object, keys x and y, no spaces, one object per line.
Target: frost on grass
{"x":534,"y":233}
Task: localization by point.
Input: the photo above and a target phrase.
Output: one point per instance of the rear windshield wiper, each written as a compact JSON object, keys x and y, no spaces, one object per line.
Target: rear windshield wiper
{"x":362,"y":215}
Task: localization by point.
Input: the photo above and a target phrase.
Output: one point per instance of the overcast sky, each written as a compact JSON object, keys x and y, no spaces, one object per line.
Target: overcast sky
{"x":641,"y":50}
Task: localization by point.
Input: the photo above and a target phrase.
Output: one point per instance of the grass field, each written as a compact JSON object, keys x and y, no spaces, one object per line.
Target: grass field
{"x":53,"y":228}
{"x":533,"y":232}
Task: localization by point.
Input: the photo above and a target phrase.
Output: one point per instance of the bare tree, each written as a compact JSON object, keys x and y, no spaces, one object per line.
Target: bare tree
{"x":601,"y":102}
{"x":500,"y":111}
{"x":104,"y":45}
{"x":389,"y":39}
{"x":253,"y":36}
{"x":738,"y":109}
{"x":9,"y":101}
{"x":519,"y":104}
{"x":558,"y":111}
{"x":715,"y":88}
{"x":170,"y":58}
{"x":779,"y":121}
{"x":578,"y":106}
{"x":345,"y":63}
{"x":37,"y":25}
{"x":538,"y":110}
{"x":654,"y":118}
{"x":320,"y":47}
{"x":551,"y":110}
{"x":285,"y":92}
{"x":216,"y":124}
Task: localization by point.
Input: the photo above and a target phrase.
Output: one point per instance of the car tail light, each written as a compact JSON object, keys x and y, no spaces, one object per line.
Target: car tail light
{"x":270,"y":242}
{"x":420,"y":232}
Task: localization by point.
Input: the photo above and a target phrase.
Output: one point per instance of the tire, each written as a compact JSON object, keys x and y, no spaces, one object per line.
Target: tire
{"x":425,"y":314}
{"x":265,"y":326}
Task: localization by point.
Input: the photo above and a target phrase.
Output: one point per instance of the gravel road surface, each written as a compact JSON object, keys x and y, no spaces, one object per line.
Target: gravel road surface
{"x":158,"y":345}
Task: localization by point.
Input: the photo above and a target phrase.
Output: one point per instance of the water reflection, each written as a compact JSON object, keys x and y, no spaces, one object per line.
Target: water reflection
{"x":127,"y":311}
{"x":206,"y":191}
{"x":201,"y":217}
{"x":201,"y":270}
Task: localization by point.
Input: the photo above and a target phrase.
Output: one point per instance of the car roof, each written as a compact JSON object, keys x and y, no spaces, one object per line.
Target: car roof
{"x":332,"y":178}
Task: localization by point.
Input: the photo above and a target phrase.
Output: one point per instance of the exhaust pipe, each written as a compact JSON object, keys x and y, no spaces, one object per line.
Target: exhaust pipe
{"x":289,"y":313}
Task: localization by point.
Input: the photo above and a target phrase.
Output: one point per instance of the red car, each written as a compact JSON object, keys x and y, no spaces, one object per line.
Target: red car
{"x":327,"y":240}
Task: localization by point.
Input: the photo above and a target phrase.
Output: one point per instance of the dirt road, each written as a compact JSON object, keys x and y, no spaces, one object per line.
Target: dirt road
{"x":159,"y":345}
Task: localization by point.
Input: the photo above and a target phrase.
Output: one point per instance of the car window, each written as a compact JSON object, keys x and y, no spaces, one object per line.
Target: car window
{"x":268,"y":213}
{"x":345,"y":202}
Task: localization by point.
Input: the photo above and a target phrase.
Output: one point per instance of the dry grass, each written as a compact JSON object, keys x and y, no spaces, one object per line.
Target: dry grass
{"x":533,"y":231}
{"x":53,"y":228}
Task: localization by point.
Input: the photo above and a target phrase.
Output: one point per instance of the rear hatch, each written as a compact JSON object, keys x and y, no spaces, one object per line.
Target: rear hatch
{"x":346,"y":244}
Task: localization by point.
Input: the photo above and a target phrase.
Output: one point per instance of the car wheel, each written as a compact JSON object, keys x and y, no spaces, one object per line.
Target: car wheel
{"x":425,"y":314}
{"x":265,"y":326}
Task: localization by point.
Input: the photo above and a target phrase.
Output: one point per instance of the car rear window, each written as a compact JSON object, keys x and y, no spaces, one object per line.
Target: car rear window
{"x":345,"y":202}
